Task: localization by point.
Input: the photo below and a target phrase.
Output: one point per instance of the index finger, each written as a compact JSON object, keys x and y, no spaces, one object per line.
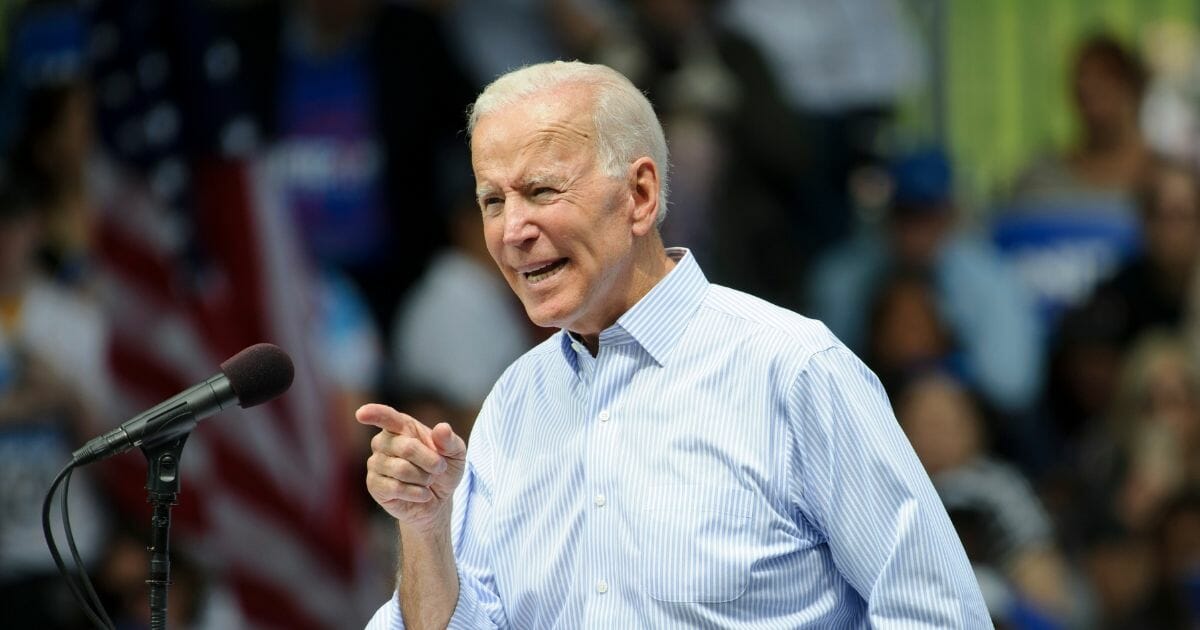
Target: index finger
{"x":388,"y":419}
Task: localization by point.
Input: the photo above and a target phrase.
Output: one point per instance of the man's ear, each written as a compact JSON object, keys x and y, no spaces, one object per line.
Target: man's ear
{"x":644,"y":187}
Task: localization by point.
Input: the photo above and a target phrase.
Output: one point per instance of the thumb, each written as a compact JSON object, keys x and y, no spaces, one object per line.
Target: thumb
{"x":447,"y":442}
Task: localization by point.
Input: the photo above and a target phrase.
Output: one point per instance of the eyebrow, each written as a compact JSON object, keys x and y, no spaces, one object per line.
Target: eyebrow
{"x":530,"y":181}
{"x":484,"y":191}
{"x":538,"y":179}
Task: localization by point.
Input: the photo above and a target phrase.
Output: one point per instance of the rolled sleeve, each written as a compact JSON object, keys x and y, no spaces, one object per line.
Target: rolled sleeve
{"x":469,"y":614}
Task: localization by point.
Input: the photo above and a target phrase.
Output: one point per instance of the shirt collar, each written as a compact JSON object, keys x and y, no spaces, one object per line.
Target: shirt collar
{"x":659,"y":318}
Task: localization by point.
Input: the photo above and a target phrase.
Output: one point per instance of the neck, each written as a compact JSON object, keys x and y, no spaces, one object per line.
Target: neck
{"x":1119,"y":138}
{"x":650,"y":265}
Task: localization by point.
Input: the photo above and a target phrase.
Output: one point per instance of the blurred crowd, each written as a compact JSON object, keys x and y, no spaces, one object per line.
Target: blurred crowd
{"x":1041,"y":353}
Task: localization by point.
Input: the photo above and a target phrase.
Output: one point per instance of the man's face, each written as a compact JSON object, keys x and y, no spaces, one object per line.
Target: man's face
{"x":558,"y":227}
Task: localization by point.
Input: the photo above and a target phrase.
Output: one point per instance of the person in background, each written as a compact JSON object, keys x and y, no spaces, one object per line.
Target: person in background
{"x":1145,"y":453}
{"x":1004,"y":527}
{"x":44,"y":412}
{"x":739,"y":146}
{"x":1149,"y":448}
{"x":845,"y":67}
{"x":51,"y":156}
{"x":359,"y":104}
{"x":1083,"y":369}
{"x":1151,"y":290}
{"x":907,"y":333}
{"x":1176,"y":603}
{"x":1102,"y":170}
{"x":989,"y":313}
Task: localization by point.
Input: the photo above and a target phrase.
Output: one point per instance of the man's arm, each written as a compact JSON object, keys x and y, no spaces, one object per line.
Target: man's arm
{"x":441,"y":507}
{"x":855,"y":476}
{"x":428,"y":580}
{"x":412,"y":473}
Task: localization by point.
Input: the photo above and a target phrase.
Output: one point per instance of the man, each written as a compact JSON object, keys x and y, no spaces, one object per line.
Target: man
{"x":680,"y":454}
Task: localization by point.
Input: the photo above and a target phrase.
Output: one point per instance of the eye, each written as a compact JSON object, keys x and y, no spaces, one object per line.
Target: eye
{"x":491,"y":204}
{"x":543,"y":192}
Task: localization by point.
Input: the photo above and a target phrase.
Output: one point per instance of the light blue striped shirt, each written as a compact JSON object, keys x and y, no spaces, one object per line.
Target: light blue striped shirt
{"x":721,"y":462}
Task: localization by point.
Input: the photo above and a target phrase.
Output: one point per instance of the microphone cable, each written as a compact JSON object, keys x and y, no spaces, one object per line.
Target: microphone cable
{"x":91,"y":601}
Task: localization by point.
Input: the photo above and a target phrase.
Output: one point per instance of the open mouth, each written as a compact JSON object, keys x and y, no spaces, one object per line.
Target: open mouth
{"x":541,"y":273}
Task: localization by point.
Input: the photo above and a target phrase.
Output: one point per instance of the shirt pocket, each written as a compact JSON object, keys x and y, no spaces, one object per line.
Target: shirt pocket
{"x":696,"y":543}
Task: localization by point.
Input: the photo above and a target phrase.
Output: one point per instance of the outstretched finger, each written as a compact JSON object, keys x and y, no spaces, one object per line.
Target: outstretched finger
{"x":389,"y":419}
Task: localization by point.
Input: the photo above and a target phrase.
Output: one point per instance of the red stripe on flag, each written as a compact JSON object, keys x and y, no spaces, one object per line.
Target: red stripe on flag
{"x":329,"y":534}
{"x":266,"y":605}
{"x":134,"y":262}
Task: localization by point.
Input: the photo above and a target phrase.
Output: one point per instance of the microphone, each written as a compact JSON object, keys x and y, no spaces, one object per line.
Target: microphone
{"x":251,"y":377}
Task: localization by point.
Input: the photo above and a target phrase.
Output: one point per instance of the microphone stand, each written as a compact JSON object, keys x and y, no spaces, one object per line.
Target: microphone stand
{"x":162,"y":486}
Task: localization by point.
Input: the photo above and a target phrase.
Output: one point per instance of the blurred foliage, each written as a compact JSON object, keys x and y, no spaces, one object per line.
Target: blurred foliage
{"x":1006,"y":70}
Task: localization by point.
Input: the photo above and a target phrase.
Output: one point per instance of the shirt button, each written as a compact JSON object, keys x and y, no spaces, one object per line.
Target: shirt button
{"x":575,"y":345}
{"x":600,"y":500}
{"x":601,"y":587}
{"x":604,"y":416}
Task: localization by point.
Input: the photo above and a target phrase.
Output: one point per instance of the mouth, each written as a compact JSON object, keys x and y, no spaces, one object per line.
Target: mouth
{"x":535,"y":276}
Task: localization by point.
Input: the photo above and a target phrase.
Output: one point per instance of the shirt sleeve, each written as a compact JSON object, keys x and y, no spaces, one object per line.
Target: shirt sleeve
{"x":857,"y":480}
{"x":478,"y":601}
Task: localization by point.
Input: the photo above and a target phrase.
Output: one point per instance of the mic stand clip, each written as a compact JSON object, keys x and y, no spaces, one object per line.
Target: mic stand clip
{"x":162,"y":486}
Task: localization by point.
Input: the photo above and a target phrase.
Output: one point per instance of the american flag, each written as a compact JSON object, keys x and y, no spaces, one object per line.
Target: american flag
{"x":270,"y":495}
{"x":196,"y":259}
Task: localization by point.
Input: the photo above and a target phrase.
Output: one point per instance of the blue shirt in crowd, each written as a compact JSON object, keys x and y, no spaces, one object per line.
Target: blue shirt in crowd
{"x":721,"y":462}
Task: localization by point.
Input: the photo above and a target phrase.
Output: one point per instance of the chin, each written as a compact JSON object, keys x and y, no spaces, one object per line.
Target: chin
{"x":547,"y":317}
{"x":540,"y":316}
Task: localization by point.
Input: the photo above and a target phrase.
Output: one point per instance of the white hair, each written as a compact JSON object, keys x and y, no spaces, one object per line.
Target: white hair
{"x":626,"y":125}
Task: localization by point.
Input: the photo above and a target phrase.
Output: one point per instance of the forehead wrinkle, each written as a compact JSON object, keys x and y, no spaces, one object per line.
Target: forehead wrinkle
{"x":558,"y":136}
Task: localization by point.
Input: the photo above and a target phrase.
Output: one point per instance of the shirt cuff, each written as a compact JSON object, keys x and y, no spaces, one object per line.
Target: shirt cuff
{"x":468,"y":614}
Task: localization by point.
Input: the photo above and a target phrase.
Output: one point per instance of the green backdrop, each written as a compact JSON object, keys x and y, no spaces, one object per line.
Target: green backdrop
{"x":1005,"y":71}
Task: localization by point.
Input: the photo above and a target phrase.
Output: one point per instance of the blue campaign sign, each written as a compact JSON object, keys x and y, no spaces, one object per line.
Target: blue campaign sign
{"x":1061,"y":254}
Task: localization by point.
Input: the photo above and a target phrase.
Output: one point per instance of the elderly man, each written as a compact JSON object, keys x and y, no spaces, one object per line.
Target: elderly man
{"x":679,"y":454}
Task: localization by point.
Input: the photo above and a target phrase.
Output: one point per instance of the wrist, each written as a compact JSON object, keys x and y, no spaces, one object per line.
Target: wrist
{"x":432,"y":532}
{"x":428,"y":581}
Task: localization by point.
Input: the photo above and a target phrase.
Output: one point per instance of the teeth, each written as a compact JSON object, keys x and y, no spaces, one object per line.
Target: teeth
{"x":538,"y":275}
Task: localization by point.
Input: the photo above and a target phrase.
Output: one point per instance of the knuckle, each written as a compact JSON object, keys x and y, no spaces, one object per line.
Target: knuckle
{"x":403,"y":467}
{"x":378,"y":442}
{"x":392,"y":467}
{"x":408,"y":449}
{"x":417,"y":494}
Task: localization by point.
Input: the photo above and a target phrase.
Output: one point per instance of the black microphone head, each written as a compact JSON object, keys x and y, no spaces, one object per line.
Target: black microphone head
{"x":258,"y":373}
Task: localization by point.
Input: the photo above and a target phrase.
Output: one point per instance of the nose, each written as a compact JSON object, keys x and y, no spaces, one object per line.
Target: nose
{"x":519,"y":229}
